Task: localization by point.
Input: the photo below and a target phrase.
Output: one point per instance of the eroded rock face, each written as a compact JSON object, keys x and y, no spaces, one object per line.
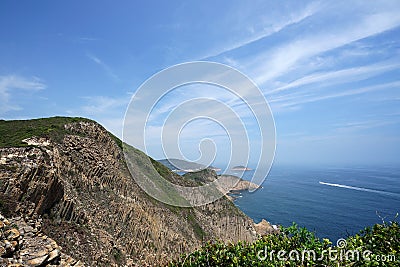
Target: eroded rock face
{"x":23,"y":244}
{"x":265,"y":228}
{"x":91,"y":206}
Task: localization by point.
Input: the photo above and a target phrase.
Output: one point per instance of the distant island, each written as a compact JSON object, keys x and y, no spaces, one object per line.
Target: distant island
{"x":241,"y":168}
{"x":179,"y":165}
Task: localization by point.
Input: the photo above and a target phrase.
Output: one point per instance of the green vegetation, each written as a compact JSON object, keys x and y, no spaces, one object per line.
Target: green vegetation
{"x":153,"y":183}
{"x":376,"y":246}
{"x":161,"y":169}
{"x":116,"y":140}
{"x":191,"y":218}
{"x":201,"y":177}
{"x":13,"y":132}
{"x":174,"y":164}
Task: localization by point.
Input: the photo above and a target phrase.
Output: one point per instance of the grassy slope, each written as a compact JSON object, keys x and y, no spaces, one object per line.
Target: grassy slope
{"x":14,"y":131}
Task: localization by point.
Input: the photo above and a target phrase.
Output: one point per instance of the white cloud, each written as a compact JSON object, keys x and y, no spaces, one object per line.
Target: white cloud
{"x":362,"y":125}
{"x":97,"y":105}
{"x":269,"y":26}
{"x":11,"y":83}
{"x":339,"y":76}
{"x":276,"y":62}
{"x":303,"y":99}
{"x":105,"y":67}
{"x":108,"y":111}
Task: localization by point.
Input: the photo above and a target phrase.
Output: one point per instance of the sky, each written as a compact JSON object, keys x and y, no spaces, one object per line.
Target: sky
{"x":328,"y":69}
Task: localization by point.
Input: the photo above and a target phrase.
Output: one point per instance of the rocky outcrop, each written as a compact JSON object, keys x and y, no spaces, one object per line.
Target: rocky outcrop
{"x":225,"y":183}
{"x":241,"y":185}
{"x":22,"y":243}
{"x":265,"y":228}
{"x":91,"y":206}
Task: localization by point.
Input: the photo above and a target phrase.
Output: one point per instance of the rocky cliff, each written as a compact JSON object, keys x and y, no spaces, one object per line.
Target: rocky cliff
{"x":23,"y":244}
{"x":226,"y":183}
{"x":71,"y":174}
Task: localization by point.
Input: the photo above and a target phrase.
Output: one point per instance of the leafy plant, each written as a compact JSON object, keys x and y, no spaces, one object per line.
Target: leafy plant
{"x":303,"y":248}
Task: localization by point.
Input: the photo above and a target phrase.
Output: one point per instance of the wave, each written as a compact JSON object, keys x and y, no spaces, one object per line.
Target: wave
{"x":362,"y":189}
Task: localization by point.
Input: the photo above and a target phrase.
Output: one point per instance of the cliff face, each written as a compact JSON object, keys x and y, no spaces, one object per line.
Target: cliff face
{"x":78,"y":184}
{"x":226,"y":183}
{"x":23,"y":244}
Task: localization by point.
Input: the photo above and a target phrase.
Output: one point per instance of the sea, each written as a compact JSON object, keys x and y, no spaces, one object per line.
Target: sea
{"x":333,"y":202}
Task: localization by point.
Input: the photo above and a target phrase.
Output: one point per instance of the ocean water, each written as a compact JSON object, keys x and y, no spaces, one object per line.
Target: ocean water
{"x":333,"y":202}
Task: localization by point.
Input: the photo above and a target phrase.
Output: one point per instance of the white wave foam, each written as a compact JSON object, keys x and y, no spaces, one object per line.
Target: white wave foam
{"x":361,"y":189}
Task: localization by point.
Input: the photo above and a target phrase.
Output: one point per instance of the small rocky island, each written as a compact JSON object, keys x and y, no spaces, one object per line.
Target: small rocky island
{"x":241,"y":168}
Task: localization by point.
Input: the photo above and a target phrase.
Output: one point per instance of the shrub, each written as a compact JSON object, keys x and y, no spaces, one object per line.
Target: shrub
{"x":376,"y":246}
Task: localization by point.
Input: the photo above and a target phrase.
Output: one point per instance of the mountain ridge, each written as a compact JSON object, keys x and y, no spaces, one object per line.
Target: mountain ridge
{"x":179,"y":165}
{"x":73,"y":171}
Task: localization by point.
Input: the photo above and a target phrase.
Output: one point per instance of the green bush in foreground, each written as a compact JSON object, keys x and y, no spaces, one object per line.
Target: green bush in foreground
{"x":294,"y":246}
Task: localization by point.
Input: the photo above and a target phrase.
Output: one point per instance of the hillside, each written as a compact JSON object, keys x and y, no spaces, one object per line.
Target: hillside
{"x":226,"y":183}
{"x":69,"y":174}
{"x":179,"y":165}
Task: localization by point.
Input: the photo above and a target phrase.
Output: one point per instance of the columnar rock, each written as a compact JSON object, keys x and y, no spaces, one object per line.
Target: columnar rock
{"x":23,"y":244}
{"x":92,"y":207}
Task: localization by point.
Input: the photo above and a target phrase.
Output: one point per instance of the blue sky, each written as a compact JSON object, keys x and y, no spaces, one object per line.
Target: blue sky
{"x":329,"y":70}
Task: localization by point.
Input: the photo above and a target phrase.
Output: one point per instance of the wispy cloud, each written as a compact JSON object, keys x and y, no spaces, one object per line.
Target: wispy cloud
{"x":340,"y":76}
{"x":97,"y":105}
{"x":276,"y":62}
{"x":339,"y":130}
{"x":109,"y":111}
{"x":269,"y":27}
{"x":105,"y":67}
{"x":362,"y":125}
{"x":11,"y":83}
{"x":305,"y":98}
{"x":87,"y":39}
